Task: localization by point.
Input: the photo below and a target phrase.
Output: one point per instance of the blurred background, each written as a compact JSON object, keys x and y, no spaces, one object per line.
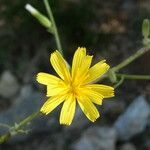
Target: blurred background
{"x":108,"y":29}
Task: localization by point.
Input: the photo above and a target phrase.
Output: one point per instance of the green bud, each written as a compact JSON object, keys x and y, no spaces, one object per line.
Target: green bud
{"x":39,"y":16}
{"x":146,"y":28}
{"x":112,"y":76}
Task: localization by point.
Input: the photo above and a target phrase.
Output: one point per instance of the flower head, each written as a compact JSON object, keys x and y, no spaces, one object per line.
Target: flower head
{"x":75,"y":85}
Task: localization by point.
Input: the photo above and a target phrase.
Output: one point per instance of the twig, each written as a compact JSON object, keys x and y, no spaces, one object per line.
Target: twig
{"x":119,"y":83}
{"x":135,"y":77}
{"x":4,"y":125}
{"x":55,"y":31}
{"x":15,"y":129}
{"x":126,"y":62}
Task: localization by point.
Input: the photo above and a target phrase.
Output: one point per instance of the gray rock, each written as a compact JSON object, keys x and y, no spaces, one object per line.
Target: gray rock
{"x":134,"y":119}
{"x":127,"y":146}
{"x":8,"y":85}
{"x":28,"y":102}
{"x":114,"y":106}
{"x":96,"y":138}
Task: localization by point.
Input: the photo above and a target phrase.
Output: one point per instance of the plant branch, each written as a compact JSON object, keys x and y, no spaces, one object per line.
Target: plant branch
{"x":4,"y":125}
{"x":119,"y":83}
{"x":135,"y":77}
{"x":55,"y":31}
{"x":15,"y":129}
{"x":126,"y":62}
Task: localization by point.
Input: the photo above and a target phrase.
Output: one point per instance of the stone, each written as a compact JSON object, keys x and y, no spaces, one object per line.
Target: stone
{"x":96,"y":138}
{"x":8,"y":85}
{"x":127,"y":146}
{"x":114,"y":106}
{"x":134,"y":120}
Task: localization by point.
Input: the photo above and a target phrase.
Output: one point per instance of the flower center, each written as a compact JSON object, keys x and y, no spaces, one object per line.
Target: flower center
{"x":73,"y":88}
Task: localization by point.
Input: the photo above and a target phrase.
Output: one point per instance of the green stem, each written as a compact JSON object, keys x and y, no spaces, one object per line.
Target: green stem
{"x":17,"y":127}
{"x":27,"y":120}
{"x":4,"y":125}
{"x":131,"y":58}
{"x":55,"y":31}
{"x":5,"y":137}
{"x":135,"y":77}
{"x":119,"y":83}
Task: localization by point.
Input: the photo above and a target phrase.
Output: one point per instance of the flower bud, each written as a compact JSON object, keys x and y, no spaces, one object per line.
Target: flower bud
{"x":146,"y":28}
{"x":39,"y":16}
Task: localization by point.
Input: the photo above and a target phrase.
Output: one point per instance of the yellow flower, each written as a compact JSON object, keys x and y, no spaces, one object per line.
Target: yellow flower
{"x":75,"y":86}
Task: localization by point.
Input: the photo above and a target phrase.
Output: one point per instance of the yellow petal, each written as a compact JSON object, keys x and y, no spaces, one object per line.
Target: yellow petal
{"x":56,"y":90}
{"x":88,"y":108}
{"x":47,"y":79}
{"x":68,"y":110}
{"x":60,"y":65}
{"x":97,"y":71}
{"x":81,"y":73}
{"x":106,"y":91}
{"x":55,"y":85}
{"x":51,"y":104}
{"x":77,"y":60}
{"x":94,"y":96}
{"x":86,"y":63}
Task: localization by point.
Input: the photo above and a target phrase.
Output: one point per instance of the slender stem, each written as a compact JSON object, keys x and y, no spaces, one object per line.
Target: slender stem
{"x":5,"y":137}
{"x":119,"y":83}
{"x":17,"y":127}
{"x":4,"y":125}
{"x":50,"y":14}
{"x":131,"y":58}
{"x":135,"y":77}
{"x":28,"y":119}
